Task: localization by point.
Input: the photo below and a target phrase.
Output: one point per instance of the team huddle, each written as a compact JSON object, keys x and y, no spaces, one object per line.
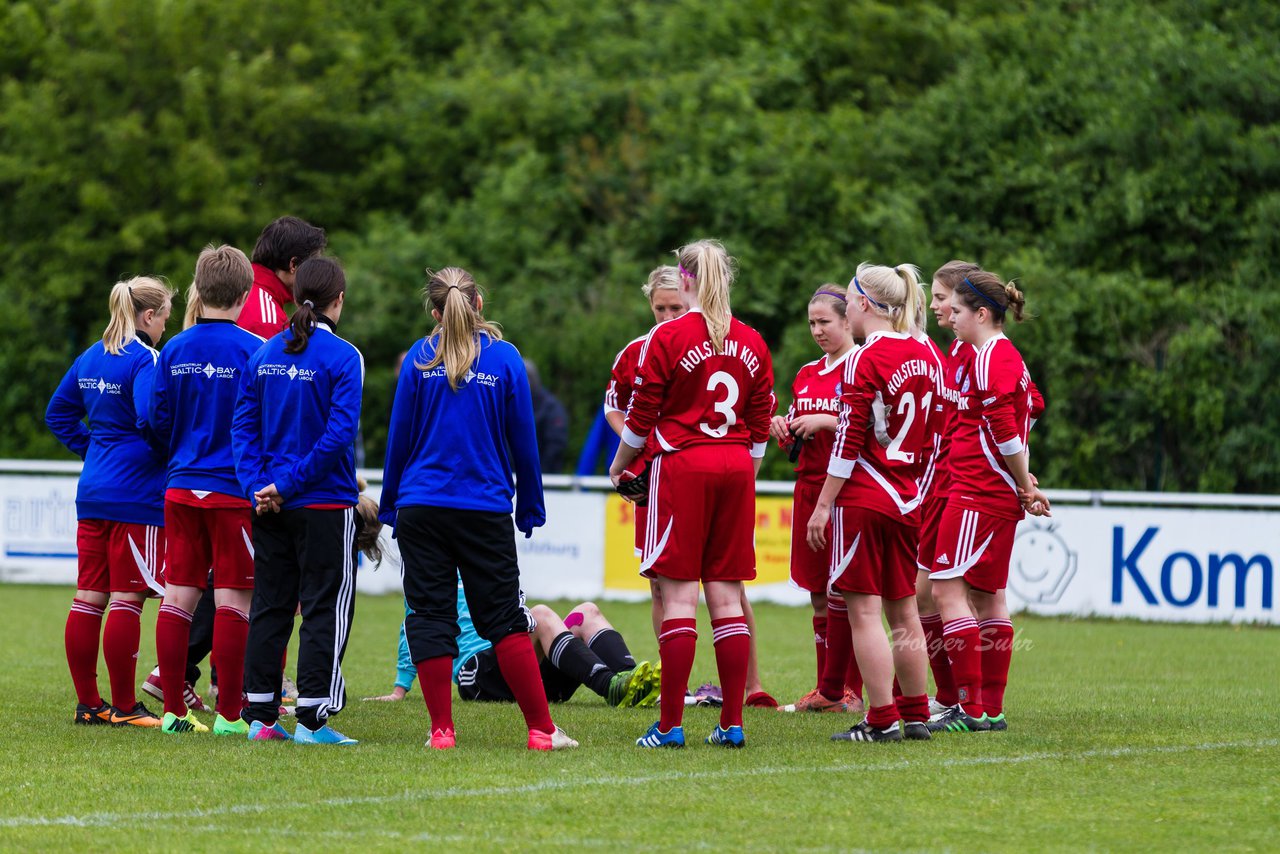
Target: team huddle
{"x":226,"y":460}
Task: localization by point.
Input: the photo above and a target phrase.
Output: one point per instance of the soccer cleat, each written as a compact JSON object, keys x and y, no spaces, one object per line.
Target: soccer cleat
{"x":151,"y":686}
{"x":864,"y":731}
{"x":761,"y":700}
{"x":90,"y":716}
{"x":175,"y":725}
{"x":258,"y":731}
{"x":813,"y":702}
{"x":731,"y":737}
{"x":139,"y":715}
{"x":955,"y":719}
{"x":324,"y":735}
{"x":936,"y":709}
{"x":222,"y":726}
{"x":653,"y":690}
{"x":708,"y":694}
{"x":557,"y":739}
{"x":655,"y":737}
{"x":915,"y":731}
{"x":288,"y":690}
{"x":442,"y":739}
{"x":852,"y":703}
{"x":627,"y":687}
{"x":996,"y":724}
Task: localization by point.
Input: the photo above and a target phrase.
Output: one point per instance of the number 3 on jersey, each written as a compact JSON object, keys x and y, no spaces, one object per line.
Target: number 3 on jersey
{"x":723,"y":407}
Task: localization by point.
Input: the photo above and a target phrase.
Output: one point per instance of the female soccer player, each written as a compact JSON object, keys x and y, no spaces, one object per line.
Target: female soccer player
{"x":871,"y":495}
{"x":461,"y":423}
{"x":208,"y":519}
{"x":667,"y":302}
{"x":706,"y":395}
{"x":119,"y":500}
{"x":292,"y":437}
{"x":991,"y":486}
{"x":811,"y":421}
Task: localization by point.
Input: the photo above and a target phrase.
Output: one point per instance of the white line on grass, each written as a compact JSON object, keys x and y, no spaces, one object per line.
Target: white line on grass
{"x":114,"y":819}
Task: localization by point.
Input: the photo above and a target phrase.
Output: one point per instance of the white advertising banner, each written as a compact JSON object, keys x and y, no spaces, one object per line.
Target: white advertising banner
{"x":1175,"y":565}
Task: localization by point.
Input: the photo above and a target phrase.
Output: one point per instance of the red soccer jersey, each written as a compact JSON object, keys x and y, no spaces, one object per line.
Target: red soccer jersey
{"x":687,"y":394}
{"x":955,"y":367}
{"x":815,"y":391}
{"x":622,"y":380}
{"x":263,"y":313}
{"x":886,"y":398}
{"x":936,"y":418}
{"x":993,"y":419}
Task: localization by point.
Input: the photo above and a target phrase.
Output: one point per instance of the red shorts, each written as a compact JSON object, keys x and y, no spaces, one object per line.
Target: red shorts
{"x":702,"y":513}
{"x":120,"y":557}
{"x":930,"y":519}
{"x":201,"y":538}
{"x":810,"y":570}
{"x":872,"y":553}
{"x":974,"y":546}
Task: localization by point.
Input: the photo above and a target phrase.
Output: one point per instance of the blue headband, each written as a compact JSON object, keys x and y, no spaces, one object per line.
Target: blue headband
{"x":870,"y":299}
{"x":830,"y":294}
{"x":997,"y":306}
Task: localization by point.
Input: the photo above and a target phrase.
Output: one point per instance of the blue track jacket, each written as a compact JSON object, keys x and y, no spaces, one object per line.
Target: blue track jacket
{"x":123,"y":476}
{"x":296,"y":419}
{"x":457,"y":449}
{"x":193,"y":400}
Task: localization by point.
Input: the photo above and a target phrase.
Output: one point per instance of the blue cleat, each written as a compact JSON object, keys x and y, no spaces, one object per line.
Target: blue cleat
{"x":325,"y":735}
{"x":731,"y":737}
{"x":655,"y":737}
{"x":258,"y":731}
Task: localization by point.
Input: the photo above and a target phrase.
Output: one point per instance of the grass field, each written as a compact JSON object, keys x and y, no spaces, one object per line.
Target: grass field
{"x":1122,"y":736}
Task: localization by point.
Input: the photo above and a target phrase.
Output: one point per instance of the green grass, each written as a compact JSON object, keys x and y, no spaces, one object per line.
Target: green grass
{"x":1123,"y":736}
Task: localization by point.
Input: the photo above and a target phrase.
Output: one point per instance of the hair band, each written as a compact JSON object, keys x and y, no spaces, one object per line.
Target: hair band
{"x":997,"y":306}
{"x":870,"y":299}
{"x":309,"y":304}
{"x":840,"y":297}
{"x":686,"y":273}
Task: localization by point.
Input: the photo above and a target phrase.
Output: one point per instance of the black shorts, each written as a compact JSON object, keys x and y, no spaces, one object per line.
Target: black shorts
{"x":480,"y":678}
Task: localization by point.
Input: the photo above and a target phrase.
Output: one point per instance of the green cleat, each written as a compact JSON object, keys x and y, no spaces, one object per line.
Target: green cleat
{"x":175,"y":725}
{"x":649,"y":697}
{"x":629,"y":686}
{"x":222,"y":726}
{"x":998,"y":723}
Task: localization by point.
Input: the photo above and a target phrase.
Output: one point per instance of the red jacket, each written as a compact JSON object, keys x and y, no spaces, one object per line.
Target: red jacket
{"x":264,"y":313}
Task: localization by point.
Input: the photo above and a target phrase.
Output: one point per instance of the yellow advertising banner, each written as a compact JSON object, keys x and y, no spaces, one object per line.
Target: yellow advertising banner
{"x":773,"y":543}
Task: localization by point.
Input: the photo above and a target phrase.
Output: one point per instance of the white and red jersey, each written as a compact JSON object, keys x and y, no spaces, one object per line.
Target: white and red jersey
{"x":955,"y":368}
{"x":263,"y":313}
{"x":936,"y":418}
{"x":688,"y":394}
{"x":622,"y":379}
{"x":881,"y":445}
{"x":992,"y":421}
{"x":816,"y":391}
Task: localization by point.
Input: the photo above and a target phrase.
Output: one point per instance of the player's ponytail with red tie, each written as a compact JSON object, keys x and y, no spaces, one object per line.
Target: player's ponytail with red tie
{"x":708,"y":264}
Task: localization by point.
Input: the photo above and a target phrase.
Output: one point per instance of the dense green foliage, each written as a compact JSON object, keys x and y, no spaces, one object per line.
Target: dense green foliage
{"x":1121,"y":159}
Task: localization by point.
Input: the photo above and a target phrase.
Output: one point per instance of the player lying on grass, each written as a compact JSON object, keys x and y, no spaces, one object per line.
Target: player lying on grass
{"x":581,"y":649}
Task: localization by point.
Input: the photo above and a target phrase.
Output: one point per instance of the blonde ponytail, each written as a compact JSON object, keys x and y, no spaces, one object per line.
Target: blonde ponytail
{"x":453,"y":292}
{"x":913,"y":304}
{"x":128,"y":299}
{"x":707,"y":262}
{"x":894,"y":292}
{"x":195,"y":307}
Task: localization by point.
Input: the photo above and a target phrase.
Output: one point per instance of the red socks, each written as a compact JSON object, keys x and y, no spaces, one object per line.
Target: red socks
{"x":882,"y":717}
{"x":173,"y":632}
{"x":938,"y":663}
{"x":120,"y":649}
{"x":84,"y":624}
{"x":677,"y":642}
{"x":820,"y":643}
{"x":839,"y":657}
{"x":519,"y":668}
{"x":230,"y":636}
{"x":966,"y":662}
{"x":914,"y":708}
{"x":435,"y":677}
{"x":997,"y":653}
{"x":732,"y":641}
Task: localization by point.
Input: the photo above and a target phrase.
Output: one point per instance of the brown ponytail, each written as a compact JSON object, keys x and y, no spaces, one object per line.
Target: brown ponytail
{"x":453,"y":292}
{"x":317,"y":285}
{"x":984,"y":289}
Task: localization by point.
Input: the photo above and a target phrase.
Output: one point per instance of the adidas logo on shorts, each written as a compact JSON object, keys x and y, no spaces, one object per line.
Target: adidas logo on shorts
{"x":943,"y":559}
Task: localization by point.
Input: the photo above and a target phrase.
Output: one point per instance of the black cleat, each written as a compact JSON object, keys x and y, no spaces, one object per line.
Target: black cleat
{"x":866,"y":732}
{"x":915,"y":731}
{"x":997,"y":724}
{"x":956,"y":719}
{"x":89,"y":716}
